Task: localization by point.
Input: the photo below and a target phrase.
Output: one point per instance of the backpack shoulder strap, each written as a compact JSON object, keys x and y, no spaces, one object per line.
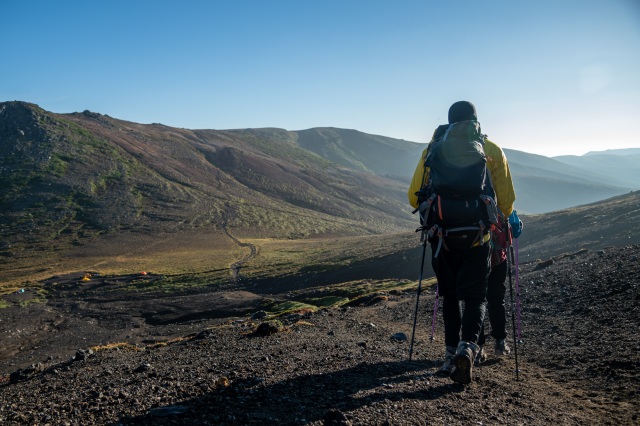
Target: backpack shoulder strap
{"x":438,"y":137}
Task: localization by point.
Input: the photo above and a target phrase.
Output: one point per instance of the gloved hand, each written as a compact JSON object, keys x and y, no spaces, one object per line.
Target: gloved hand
{"x":516,"y":224}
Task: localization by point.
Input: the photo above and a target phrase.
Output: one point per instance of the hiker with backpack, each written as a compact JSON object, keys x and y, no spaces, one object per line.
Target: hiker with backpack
{"x":461,"y":180}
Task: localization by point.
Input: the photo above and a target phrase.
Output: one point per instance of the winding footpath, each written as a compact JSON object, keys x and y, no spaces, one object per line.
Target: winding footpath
{"x":236,"y":266}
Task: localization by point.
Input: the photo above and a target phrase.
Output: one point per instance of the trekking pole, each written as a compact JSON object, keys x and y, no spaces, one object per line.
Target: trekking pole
{"x":435,"y":313}
{"x":513,"y":319}
{"x":415,"y":315}
{"x":517,"y":263}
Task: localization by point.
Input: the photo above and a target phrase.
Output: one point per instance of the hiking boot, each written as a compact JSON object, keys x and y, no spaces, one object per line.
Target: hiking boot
{"x":481,"y":356}
{"x":463,"y":362}
{"x":448,"y":360}
{"x":501,"y":348}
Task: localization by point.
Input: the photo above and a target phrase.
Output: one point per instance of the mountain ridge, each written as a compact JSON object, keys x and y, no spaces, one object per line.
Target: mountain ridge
{"x":89,"y":173}
{"x":78,"y":175}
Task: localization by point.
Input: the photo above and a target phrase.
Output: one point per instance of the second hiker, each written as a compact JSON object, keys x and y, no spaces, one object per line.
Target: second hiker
{"x":496,"y":288}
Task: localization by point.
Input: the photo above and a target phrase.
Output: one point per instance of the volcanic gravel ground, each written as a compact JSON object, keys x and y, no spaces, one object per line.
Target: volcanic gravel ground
{"x":579,"y":364}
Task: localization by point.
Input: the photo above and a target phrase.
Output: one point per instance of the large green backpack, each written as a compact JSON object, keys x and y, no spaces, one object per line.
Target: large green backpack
{"x":458,"y":203}
{"x":457,"y":161}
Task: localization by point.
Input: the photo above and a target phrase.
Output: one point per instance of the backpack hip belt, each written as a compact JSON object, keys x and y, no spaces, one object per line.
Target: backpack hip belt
{"x":441,"y":233}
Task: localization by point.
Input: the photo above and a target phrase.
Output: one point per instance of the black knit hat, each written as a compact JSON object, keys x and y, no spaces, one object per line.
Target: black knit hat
{"x":462,"y":111}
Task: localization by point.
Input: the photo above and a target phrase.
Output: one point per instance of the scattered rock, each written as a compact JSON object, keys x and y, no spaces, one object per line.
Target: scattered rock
{"x":542,"y":265}
{"x":142,"y":368}
{"x":400,"y":337}
{"x":266,"y":329}
{"x":294,"y":317}
{"x":205,"y":334}
{"x":83,"y":354}
{"x":259,"y":315}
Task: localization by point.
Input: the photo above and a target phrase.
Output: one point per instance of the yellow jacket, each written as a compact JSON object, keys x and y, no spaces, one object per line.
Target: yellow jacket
{"x":498,"y":168}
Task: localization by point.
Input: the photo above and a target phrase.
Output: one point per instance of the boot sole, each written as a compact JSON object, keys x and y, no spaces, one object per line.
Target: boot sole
{"x":462,"y":370}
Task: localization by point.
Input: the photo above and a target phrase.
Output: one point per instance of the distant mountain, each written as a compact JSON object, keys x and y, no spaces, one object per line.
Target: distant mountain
{"x":618,"y":167}
{"x":65,"y":177}
{"x":621,"y":151}
{"x":350,"y":148}
{"x":542,"y":184}
{"x":546,"y":184}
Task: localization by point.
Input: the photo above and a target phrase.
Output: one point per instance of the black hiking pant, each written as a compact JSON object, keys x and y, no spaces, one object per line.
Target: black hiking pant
{"x":462,"y":279}
{"x":497,"y":288}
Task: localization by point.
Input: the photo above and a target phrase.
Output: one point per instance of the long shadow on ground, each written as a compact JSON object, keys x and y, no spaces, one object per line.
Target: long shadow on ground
{"x":302,"y":399}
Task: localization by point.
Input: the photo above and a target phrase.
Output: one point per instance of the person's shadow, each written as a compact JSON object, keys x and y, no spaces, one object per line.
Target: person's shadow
{"x":306,"y":398}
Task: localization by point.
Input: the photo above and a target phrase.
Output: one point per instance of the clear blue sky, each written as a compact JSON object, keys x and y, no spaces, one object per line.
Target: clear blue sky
{"x":548,"y":76}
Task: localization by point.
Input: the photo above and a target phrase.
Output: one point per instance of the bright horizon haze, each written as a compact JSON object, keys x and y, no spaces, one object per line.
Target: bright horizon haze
{"x":547,"y":77}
